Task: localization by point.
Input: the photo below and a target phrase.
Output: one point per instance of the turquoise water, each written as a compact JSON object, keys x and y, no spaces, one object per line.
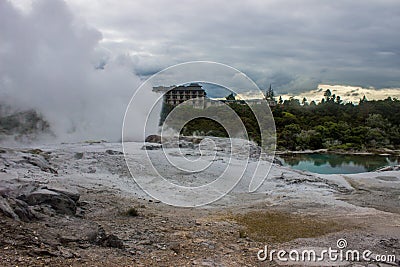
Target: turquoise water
{"x":337,"y":163}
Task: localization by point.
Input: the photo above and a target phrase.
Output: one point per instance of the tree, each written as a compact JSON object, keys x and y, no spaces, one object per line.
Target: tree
{"x":363,"y":100}
{"x":377,"y":121}
{"x":330,"y":124}
{"x":292,"y":102}
{"x":287,"y":137}
{"x":230,"y":97}
{"x":304,"y":102}
{"x":269,"y":94}
{"x":327,"y":94}
{"x":280,"y":100}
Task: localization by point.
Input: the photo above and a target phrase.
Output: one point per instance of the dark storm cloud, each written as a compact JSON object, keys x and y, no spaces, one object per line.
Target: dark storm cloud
{"x":72,"y":59}
{"x":292,"y":44}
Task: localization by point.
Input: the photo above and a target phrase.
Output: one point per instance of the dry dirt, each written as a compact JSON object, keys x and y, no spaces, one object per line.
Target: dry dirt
{"x":107,"y":231}
{"x":168,"y":236}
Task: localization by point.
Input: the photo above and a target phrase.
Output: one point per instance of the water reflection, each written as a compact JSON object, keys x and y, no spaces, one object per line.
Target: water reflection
{"x":337,"y":163}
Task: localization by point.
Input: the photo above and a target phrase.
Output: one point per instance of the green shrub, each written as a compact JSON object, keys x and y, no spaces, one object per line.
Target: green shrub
{"x":132,"y":212}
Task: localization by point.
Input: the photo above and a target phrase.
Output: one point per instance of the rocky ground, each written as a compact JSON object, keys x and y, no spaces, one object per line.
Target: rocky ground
{"x":77,"y":205}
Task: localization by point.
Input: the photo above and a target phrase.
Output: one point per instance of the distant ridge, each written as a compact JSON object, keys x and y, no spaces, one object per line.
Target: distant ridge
{"x":346,"y":93}
{"x":22,"y":126}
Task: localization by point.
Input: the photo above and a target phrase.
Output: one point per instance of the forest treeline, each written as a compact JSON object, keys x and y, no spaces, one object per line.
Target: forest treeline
{"x":335,"y":125}
{"x":330,"y":124}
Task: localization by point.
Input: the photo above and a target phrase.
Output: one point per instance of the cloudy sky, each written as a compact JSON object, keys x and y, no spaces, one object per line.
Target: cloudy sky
{"x":291,"y":44}
{"x":49,"y":46}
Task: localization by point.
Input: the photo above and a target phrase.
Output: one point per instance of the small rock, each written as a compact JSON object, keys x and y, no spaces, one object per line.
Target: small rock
{"x":151,"y":147}
{"x":65,"y":239}
{"x":42,"y":252}
{"x":112,"y":241}
{"x":78,"y":155}
{"x":161,"y":247}
{"x":100,"y":238}
{"x":145,"y":242}
{"x":84,"y":246}
{"x":66,"y":253}
{"x":390,"y":243}
{"x":204,"y":262}
{"x":91,"y":170}
{"x":113,"y":152}
{"x":175,"y":247}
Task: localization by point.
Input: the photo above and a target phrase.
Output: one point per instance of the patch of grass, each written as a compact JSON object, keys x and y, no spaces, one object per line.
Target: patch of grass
{"x":132,"y":212}
{"x":283,"y":227}
{"x":242,"y":233}
{"x":91,"y":142}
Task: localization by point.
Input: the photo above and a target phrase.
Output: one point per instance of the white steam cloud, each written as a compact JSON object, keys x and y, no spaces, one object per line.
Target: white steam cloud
{"x":52,"y":61}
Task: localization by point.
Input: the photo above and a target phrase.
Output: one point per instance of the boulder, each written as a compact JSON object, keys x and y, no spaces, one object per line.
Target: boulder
{"x":278,"y":161}
{"x":16,"y":209}
{"x":39,"y":161}
{"x":153,"y":139}
{"x":21,"y":209}
{"x":71,"y":193}
{"x":60,"y":202}
{"x":6,"y":209}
